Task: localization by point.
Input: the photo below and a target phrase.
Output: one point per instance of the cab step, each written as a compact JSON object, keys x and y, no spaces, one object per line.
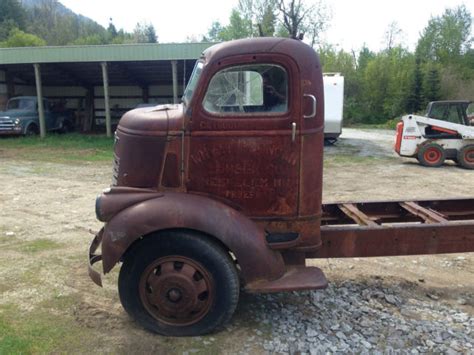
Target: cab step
{"x":296,"y":278}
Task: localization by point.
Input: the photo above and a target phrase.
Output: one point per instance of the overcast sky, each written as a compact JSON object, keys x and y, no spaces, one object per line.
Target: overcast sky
{"x":353,"y":22}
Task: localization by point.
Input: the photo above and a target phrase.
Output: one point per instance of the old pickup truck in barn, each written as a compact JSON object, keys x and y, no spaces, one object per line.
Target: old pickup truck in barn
{"x":224,"y":192}
{"x":21,"y":117}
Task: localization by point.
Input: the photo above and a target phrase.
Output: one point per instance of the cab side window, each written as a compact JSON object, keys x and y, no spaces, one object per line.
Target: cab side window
{"x":438,"y":112}
{"x":470,"y":113}
{"x":248,"y":90}
{"x":455,"y":114}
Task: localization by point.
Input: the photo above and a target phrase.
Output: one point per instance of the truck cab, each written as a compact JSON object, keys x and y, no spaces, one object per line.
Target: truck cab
{"x":239,"y":162}
{"x":224,"y":191}
{"x":21,"y":117}
{"x":247,"y":126}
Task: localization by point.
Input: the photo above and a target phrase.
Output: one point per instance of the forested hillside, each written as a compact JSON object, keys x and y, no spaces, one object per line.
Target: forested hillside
{"x":48,"y":22}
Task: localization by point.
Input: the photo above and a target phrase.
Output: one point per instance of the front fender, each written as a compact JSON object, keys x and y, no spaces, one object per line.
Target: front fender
{"x":172,"y":210}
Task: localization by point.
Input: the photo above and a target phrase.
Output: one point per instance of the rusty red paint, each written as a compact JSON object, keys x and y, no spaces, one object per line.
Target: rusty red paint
{"x":172,"y":210}
{"x":238,"y":178}
{"x":398,"y":228}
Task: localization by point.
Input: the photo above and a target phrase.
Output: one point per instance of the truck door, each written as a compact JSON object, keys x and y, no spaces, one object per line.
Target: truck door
{"x":245,"y":146}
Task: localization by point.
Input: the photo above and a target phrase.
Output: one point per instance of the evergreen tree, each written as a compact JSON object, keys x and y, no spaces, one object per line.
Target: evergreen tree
{"x":365,"y":56}
{"x":268,"y":22}
{"x":150,"y":34}
{"x":144,"y":33}
{"x":112,"y":31}
{"x":415,"y":97}
{"x":432,"y":84}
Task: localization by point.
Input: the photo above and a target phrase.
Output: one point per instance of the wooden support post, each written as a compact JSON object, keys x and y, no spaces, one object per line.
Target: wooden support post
{"x":174,"y":68}
{"x":108,"y":120}
{"x":39,"y":96}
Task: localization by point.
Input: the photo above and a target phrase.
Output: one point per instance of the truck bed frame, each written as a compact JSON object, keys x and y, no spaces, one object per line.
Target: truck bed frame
{"x":367,"y":229}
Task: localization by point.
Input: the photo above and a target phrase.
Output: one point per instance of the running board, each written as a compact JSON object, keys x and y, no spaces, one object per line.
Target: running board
{"x":296,"y":278}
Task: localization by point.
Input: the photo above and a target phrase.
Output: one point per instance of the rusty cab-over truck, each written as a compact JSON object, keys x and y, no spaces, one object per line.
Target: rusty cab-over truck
{"x":223,"y":191}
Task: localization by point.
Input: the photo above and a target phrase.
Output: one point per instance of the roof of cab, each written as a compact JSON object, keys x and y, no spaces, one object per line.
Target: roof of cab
{"x":291,"y":47}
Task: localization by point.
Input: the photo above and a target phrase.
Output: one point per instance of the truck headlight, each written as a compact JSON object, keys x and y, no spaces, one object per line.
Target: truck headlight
{"x":98,"y":204}
{"x":98,"y":213}
{"x":17,"y":122}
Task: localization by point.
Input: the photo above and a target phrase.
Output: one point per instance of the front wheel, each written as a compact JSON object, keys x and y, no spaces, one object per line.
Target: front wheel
{"x":432,"y":155}
{"x":179,"y":284}
{"x":32,"y":130}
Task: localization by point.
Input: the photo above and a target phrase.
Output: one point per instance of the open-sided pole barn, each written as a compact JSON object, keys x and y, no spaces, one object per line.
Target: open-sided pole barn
{"x":99,"y":83}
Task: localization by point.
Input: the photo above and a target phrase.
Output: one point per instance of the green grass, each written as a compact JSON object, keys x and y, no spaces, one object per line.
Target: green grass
{"x":41,"y":331}
{"x":59,"y":147}
{"x":39,"y":245}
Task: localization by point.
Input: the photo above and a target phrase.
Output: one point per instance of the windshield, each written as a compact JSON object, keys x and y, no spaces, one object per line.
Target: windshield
{"x":188,"y":93}
{"x":21,"y":104}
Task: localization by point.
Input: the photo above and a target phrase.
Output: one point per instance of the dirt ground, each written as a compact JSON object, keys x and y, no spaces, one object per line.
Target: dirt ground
{"x":48,"y":303}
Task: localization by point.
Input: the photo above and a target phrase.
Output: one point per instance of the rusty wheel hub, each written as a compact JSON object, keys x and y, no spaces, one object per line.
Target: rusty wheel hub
{"x":176,"y":290}
{"x":432,"y":155}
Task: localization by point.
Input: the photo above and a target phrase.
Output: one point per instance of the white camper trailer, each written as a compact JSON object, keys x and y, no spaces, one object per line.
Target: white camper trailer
{"x":333,"y":105}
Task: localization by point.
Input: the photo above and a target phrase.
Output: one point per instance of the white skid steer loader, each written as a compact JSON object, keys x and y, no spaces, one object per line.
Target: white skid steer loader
{"x":446,"y":132}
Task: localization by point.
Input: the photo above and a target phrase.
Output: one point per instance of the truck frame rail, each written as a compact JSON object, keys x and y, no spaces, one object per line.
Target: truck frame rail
{"x":365,"y":229}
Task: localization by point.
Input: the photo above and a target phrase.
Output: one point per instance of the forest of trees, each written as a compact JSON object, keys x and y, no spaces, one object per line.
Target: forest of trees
{"x":47,"y":22}
{"x":379,"y":86}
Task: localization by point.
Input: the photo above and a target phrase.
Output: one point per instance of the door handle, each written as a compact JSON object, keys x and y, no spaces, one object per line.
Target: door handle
{"x":313,"y":112}
{"x":293,"y":131}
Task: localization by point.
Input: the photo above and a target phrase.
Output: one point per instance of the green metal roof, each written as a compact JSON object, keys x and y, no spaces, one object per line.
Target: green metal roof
{"x":108,"y":53}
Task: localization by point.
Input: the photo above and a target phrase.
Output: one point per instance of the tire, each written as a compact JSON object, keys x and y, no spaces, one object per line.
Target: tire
{"x":329,"y":141}
{"x":465,"y":157}
{"x":32,"y":130}
{"x":179,"y":284}
{"x":432,"y":155}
